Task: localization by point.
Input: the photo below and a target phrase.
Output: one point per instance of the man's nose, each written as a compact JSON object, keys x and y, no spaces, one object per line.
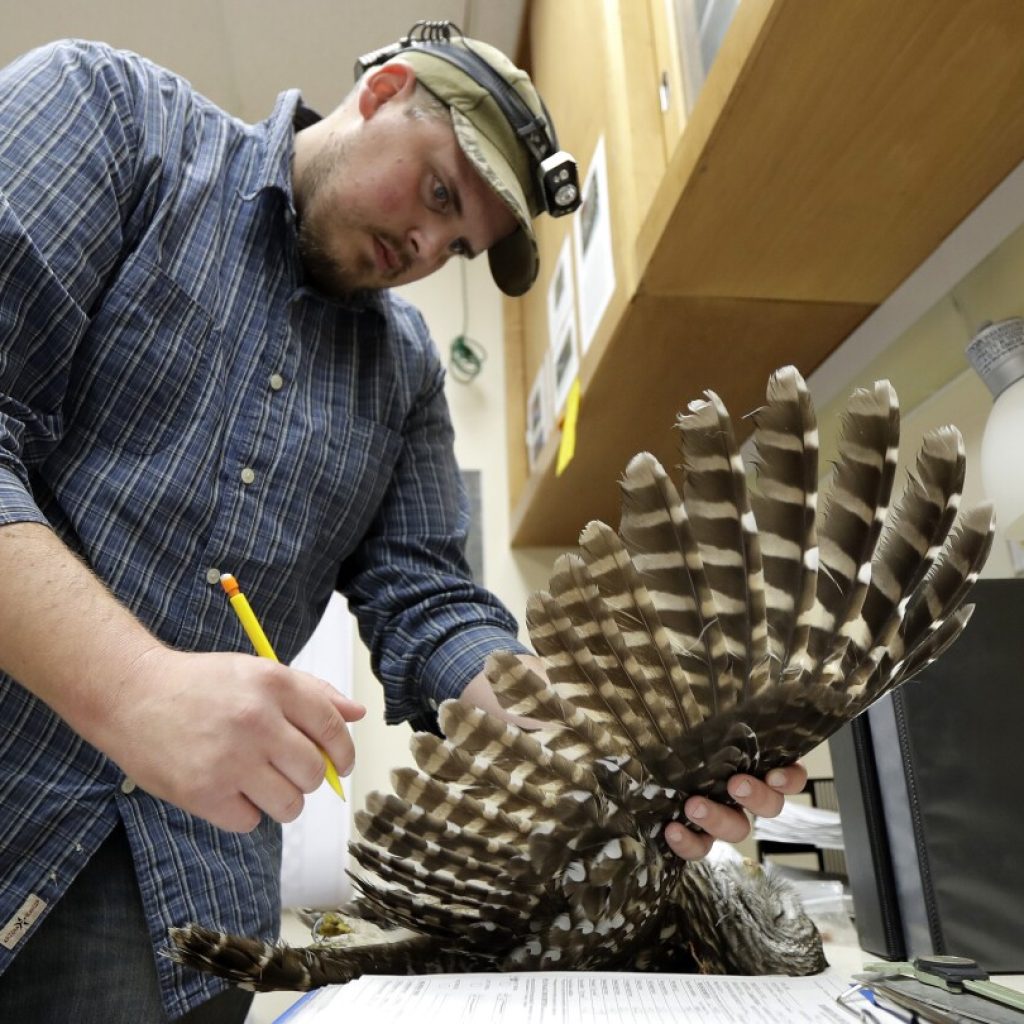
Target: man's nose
{"x":431,"y":242}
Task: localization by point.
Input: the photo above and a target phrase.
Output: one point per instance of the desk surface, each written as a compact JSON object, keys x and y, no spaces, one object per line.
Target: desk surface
{"x":844,"y":960}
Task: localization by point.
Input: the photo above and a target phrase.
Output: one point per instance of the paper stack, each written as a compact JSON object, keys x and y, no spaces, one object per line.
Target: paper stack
{"x":800,"y":823}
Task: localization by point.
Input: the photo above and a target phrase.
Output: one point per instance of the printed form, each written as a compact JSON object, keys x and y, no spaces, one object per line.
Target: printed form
{"x":576,"y":998}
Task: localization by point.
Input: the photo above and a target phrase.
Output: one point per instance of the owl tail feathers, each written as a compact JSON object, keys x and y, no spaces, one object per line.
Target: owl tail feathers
{"x":259,"y":966}
{"x":268,"y":967}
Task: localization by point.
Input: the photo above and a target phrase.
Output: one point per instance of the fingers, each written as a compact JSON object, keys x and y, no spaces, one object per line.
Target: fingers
{"x":789,"y":780}
{"x":686,"y":844}
{"x":274,"y":794}
{"x":765,"y":799}
{"x":350,"y":710}
{"x":235,"y":813}
{"x":322,"y":715}
{"x":719,"y":821}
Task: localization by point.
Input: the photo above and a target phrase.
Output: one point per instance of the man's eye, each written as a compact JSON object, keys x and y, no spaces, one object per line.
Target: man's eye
{"x":440,"y":194}
{"x":459,"y":247}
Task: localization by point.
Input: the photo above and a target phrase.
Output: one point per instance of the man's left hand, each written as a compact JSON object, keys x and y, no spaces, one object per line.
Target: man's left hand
{"x":764,"y":799}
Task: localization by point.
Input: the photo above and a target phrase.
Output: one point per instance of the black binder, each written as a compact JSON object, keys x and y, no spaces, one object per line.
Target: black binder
{"x":931,"y":795}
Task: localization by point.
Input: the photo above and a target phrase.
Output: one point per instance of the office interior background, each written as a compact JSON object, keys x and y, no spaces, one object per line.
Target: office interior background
{"x":818,"y":279}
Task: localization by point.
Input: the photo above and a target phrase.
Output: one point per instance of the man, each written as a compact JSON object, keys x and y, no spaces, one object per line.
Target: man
{"x":201,"y":371}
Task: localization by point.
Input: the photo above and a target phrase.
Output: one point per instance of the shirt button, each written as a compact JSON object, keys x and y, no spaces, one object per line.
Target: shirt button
{"x":247,"y":475}
{"x":213,"y":575}
{"x":276,"y":381}
{"x":127,"y":786}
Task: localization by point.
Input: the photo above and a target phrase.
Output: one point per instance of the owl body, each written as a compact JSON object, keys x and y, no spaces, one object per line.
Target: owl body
{"x":725,"y":627}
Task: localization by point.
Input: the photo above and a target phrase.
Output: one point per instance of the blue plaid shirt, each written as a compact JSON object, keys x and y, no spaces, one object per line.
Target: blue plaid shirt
{"x":176,"y":402}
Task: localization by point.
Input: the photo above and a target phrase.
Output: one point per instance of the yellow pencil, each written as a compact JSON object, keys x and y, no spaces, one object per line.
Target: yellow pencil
{"x":254,"y":631}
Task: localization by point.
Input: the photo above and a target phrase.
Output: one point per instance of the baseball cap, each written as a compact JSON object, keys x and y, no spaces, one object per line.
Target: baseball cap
{"x":492,"y":147}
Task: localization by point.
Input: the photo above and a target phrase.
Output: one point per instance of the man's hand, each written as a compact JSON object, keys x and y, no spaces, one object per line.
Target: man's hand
{"x":226,"y":736}
{"x":223,"y":736}
{"x":764,"y":799}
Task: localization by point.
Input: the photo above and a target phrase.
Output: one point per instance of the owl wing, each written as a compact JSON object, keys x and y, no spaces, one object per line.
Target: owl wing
{"x":720,"y":629}
{"x":724,"y":627}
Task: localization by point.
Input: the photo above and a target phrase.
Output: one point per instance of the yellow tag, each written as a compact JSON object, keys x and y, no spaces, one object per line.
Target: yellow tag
{"x":567,"y":446}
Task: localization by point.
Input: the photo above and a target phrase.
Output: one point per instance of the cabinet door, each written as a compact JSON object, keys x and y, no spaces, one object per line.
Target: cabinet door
{"x":673,"y":100}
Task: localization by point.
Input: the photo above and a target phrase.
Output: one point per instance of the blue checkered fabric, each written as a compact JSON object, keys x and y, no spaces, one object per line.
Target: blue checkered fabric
{"x":175,"y":402}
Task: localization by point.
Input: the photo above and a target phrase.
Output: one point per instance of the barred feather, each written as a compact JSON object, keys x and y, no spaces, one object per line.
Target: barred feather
{"x":657,"y":534}
{"x":647,"y":655}
{"x":855,"y":508}
{"x":715,"y":493}
{"x":785,"y":506}
{"x":572,"y":665}
{"x":911,"y":539}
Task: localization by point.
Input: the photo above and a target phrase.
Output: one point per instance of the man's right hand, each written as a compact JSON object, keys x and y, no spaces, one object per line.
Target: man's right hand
{"x":226,"y":736}
{"x":223,"y":736}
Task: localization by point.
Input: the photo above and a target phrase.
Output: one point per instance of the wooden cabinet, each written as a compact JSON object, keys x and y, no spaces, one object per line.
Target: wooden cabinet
{"x":673,"y":100}
{"x":594,"y":65}
{"x":832,"y":148}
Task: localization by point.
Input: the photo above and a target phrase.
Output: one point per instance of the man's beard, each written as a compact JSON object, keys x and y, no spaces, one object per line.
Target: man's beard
{"x":335,"y":278}
{"x":326,"y":272}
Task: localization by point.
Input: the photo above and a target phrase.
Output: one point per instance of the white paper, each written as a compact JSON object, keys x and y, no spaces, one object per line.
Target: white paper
{"x":575,"y":998}
{"x":314,"y":856}
{"x":800,"y":823}
{"x":592,"y":235}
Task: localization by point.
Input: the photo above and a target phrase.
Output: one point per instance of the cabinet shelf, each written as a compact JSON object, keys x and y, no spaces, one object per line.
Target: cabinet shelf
{"x":832,"y":148}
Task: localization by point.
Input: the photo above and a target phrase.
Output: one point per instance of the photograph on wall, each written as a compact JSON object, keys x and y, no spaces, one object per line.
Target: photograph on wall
{"x":561,"y":291}
{"x":562,"y":331}
{"x":539,"y":411}
{"x":566,"y":364}
{"x":592,"y":234}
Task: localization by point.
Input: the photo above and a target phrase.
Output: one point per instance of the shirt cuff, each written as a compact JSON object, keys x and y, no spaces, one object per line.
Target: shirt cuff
{"x":450,"y":669}
{"x":16,"y":503}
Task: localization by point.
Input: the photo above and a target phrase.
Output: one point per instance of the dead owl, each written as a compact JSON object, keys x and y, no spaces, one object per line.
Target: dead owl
{"x":718,"y":631}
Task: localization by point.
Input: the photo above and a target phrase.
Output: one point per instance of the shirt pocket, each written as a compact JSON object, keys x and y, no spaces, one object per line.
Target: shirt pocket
{"x":362,"y":456}
{"x":145,"y":365}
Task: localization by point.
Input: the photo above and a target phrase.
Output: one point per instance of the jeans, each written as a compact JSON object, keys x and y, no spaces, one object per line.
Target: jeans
{"x":91,"y":960}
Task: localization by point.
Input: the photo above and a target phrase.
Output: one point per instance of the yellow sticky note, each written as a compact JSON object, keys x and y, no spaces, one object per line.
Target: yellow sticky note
{"x":567,"y":446}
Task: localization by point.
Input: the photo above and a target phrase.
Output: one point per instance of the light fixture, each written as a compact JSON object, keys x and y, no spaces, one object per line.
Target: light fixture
{"x":997,"y":353}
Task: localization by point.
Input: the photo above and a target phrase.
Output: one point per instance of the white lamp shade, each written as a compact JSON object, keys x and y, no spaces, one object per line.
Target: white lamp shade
{"x":1002,"y":460}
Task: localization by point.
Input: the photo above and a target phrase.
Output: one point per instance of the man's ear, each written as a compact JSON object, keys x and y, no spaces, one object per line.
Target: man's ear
{"x":394,"y":80}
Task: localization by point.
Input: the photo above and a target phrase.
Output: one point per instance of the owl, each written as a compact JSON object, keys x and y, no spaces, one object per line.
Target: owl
{"x":727,"y":626}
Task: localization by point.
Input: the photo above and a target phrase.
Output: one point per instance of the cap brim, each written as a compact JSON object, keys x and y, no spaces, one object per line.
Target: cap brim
{"x":514,"y":261}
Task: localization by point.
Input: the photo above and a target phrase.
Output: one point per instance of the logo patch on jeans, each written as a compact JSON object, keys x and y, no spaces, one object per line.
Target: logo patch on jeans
{"x":22,"y":920}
